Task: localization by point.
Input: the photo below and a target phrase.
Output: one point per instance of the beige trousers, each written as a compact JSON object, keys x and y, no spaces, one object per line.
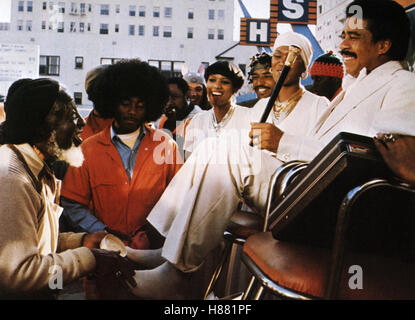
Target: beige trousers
{"x":195,"y":209}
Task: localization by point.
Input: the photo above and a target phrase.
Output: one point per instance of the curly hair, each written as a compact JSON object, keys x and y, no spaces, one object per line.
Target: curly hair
{"x":263,"y":59}
{"x":131,"y":78}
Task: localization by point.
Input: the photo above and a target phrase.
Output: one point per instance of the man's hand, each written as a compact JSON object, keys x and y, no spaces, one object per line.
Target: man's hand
{"x":92,"y":240}
{"x":110,"y":265}
{"x":265,"y":136}
{"x":399,"y":155}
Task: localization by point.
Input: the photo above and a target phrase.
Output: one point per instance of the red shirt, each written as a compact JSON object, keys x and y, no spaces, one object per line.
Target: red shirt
{"x":103,"y":184}
{"x":94,"y":125}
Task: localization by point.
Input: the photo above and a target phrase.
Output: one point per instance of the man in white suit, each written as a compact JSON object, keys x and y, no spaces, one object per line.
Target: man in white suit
{"x":198,"y":203}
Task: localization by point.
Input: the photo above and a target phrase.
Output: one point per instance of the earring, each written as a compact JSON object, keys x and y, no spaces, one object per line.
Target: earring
{"x":304,"y":75}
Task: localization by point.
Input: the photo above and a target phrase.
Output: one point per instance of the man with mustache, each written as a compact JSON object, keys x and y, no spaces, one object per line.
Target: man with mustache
{"x":42,"y":125}
{"x":382,"y":100}
{"x":127,"y":165}
{"x":260,"y":75}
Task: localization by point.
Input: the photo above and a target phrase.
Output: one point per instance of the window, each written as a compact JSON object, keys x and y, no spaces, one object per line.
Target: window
{"x":117,"y":8}
{"x":74,"y":7}
{"x":131,"y":29}
{"x":49,"y":65}
{"x":109,"y":60}
{"x":131,"y":11}
{"x":156,"y":12}
{"x":79,"y":62}
{"x":81,"y":26}
{"x":51,"y":5}
{"x":156,"y":30}
{"x":29,"y":25}
{"x":82,"y":8}
{"x":61,"y":26}
{"x":77,"y":97}
{"x":103,"y":28}
{"x":105,"y":9}
{"x":168,"y":68}
{"x":190,"y":14}
{"x":61,"y":7}
{"x":211,"y":14}
{"x":72,"y":27}
{"x":43,"y":25}
{"x":221,"y":34}
{"x":117,"y":28}
{"x":19,"y":25}
{"x":221,"y":14}
{"x":168,"y":12}
{"x":89,"y":26}
{"x":89,"y":7}
{"x":167,"y":32}
{"x":211,"y":34}
{"x":30,"y":6}
{"x":44,"y":5}
{"x":20,"y":6}
{"x":189,"y":33}
{"x":142,"y":11}
{"x":141,"y":30}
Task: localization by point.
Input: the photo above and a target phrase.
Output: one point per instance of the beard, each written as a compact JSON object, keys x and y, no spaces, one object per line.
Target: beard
{"x":73,"y":156}
{"x":53,"y":152}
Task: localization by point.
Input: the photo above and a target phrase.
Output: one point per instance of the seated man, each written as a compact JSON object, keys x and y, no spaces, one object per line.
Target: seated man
{"x":196,"y":207}
{"x":127,"y":165}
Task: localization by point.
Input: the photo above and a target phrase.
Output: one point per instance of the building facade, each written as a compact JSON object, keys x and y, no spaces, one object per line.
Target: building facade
{"x":77,"y":35}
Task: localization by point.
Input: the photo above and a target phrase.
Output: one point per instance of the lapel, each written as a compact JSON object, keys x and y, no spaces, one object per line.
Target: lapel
{"x":364,"y":87}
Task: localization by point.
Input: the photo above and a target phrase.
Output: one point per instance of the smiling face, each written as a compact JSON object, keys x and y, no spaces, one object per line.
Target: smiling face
{"x":129,"y":116}
{"x":219,"y":90}
{"x":195,"y":92}
{"x":262,"y":82}
{"x":358,"y":49}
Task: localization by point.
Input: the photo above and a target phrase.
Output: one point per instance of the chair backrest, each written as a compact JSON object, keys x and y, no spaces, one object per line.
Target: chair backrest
{"x":375,"y":235}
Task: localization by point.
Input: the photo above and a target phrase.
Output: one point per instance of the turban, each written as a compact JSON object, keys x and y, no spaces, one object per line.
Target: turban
{"x":228,"y":70}
{"x":298,"y":40}
{"x":27,"y":104}
{"x":328,"y":65}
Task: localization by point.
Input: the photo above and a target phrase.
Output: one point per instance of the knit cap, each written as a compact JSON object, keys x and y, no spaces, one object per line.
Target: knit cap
{"x":329,"y":65}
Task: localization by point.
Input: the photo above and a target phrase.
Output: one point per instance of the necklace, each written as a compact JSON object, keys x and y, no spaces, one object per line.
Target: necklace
{"x":282,"y":109}
{"x":219,"y":125}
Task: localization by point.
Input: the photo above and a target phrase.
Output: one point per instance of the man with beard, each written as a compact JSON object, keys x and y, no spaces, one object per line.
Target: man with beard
{"x":177,"y":110}
{"x":260,"y":75}
{"x":42,"y":125}
{"x":127,"y":165}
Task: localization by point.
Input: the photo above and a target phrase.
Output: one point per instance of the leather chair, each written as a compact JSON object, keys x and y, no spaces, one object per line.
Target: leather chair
{"x":372,"y":255}
{"x":244,"y":223}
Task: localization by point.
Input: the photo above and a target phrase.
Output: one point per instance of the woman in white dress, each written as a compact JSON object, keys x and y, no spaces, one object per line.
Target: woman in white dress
{"x":223,"y":81}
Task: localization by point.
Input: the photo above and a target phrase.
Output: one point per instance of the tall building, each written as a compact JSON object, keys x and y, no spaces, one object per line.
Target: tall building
{"x":331,"y":15}
{"x":77,"y":35}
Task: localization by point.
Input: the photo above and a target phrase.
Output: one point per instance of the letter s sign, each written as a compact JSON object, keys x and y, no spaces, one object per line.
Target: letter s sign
{"x":293,"y":11}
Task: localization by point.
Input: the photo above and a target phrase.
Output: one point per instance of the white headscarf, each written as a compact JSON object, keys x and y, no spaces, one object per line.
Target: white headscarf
{"x":295,"y":39}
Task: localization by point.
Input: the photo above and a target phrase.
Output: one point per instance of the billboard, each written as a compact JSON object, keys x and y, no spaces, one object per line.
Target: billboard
{"x":17,"y":61}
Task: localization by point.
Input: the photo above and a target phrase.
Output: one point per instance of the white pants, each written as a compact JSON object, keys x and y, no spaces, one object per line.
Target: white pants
{"x":195,"y":208}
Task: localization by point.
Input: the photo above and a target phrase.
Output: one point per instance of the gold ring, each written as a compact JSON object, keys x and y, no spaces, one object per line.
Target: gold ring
{"x":389,"y":137}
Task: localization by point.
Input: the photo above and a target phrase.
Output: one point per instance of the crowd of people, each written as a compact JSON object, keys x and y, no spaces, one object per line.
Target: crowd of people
{"x":164,"y":163}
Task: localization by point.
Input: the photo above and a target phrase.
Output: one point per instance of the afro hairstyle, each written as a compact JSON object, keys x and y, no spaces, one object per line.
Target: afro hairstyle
{"x":131,"y":78}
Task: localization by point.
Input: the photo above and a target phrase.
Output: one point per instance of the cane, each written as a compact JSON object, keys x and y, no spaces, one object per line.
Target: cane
{"x":293,"y":53}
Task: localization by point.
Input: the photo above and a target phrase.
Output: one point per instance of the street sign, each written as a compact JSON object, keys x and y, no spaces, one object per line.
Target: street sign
{"x":263,"y":32}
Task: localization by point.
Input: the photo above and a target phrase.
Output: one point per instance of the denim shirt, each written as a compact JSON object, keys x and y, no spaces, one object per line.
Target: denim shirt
{"x":128,"y":156}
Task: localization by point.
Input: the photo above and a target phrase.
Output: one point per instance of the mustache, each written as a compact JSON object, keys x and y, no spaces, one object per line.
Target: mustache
{"x":259,"y":87}
{"x":348,"y":53}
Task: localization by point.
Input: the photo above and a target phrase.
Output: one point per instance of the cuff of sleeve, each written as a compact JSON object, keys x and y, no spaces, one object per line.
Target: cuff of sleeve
{"x":70,"y":240}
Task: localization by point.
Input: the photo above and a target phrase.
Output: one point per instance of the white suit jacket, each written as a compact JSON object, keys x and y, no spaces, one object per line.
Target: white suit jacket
{"x":382,"y":101}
